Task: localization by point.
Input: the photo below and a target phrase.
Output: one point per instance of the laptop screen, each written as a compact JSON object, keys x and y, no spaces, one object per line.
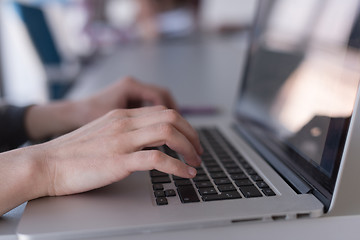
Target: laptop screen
{"x":301,"y":81}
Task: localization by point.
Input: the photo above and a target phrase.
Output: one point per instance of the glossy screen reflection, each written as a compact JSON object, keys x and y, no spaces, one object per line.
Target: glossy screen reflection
{"x":303,"y":76}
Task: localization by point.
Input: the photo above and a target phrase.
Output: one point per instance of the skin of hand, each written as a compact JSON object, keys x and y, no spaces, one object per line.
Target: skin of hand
{"x":99,"y":153}
{"x":54,"y":119}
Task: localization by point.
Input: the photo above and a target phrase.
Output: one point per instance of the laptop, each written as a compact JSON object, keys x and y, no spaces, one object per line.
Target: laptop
{"x":284,"y":154}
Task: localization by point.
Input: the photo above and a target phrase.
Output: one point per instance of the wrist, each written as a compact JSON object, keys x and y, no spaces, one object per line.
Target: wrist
{"x":54,"y":119}
{"x":24,"y":177}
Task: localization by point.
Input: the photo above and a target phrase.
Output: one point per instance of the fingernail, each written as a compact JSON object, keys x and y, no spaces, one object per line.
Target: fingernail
{"x":192,"y":171}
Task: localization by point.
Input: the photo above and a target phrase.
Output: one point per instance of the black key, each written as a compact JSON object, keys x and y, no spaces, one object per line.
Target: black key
{"x":226,"y":160}
{"x":184,"y":182}
{"x":207,"y":191}
{"x":226,"y":188}
{"x":230,"y":195}
{"x":250,"y":171}
{"x":187,"y":194}
{"x":178,"y":178}
{"x":201,"y":178}
{"x":156,"y":173}
{"x":161,"y":201}
{"x":208,"y":198}
{"x":170,"y":193}
{"x":204,"y":184}
{"x":238,"y":176}
{"x":235,"y":171}
{"x":230,"y":165}
{"x":214,"y":169}
{"x":218,"y":175}
{"x":160,"y":180}
{"x":262,"y":184}
{"x":268,"y":192}
{"x":211,"y":164}
{"x":222,"y":181}
{"x":256,"y":178}
{"x":159,"y":193}
{"x":243,"y":182}
{"x":250,"y":191}
{"x":158,"y":187}
{"x":222,"y":196}
{"x":200,"y":172}
{"x":246,"y":165}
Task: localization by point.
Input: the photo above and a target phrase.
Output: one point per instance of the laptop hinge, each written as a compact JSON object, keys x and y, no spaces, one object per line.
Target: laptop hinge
{"x":293,"y":179}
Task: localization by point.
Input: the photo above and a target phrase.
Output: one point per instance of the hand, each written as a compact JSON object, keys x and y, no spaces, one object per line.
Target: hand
{"x":127,"y":93}
{"x":110,"y":148}
{"x":54,"y":119}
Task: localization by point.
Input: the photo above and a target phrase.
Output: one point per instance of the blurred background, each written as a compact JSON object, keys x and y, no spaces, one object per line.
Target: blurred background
{"x":46,"y":44}
{"x":49,"y":46}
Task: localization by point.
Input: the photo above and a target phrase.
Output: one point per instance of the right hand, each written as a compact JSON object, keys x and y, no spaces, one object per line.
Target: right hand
{"x":111,"y":147}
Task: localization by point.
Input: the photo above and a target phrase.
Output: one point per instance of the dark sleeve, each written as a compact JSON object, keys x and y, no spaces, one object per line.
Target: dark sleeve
{"x":12,"y":127}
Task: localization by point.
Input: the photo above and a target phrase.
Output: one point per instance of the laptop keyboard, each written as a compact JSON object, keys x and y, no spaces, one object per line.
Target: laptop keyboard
{"x":224,"y":174}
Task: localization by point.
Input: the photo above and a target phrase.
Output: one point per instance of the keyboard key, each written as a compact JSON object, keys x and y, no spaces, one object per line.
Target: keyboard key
{"x":207,"y":191}
{"x":170,"y":193}
{"x":218,"y":175}
{"x":161,"y":201}
{"x":256,"y":178}
{"x":230,"y":165}
{"x":238,"y":176}
{"x":160,"y":180}
{"x":156,"y":173}
{"x":226,"y":188}
{"x":222,"y":196}
{"x":243,"y":182}
{"x":211,"y":164}
{"x":214,"y":169}
{"x":222,"y":181}
{"x":250,"y":191}
{"x":158,"y":187}
{"x":187,"y":194}
{"x":184,"y":182}
{"x":178,"y":178}
{"x":200,"y":172}
{"x":208,"y":198}
{"x":159,"y":193}
{"x":235,"y":171}
{"x":204,"y":184}
{"x":230,"y":195}
{"x":250,"y":171}
{"x":201,"y":178}
{"x":268,"y":192}
{"x":262,"y":184}
{"x":226,"y":160}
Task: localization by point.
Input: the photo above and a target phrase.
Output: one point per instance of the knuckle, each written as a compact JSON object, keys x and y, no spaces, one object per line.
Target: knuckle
{"x":166,"y":129}
{"x":122,"y":123}
{"x":114,"y":113}
{"x":128,"y":79}
{"x":172,"y":115}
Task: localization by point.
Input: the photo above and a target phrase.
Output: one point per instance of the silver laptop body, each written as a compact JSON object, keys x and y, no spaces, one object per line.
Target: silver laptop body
{"x":291,"y":123}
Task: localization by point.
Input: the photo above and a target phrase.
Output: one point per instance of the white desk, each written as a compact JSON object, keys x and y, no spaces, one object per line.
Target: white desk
{"x":201,"y":73}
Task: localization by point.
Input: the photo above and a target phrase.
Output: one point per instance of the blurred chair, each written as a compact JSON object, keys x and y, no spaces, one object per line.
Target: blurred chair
{"x":60,"y":73}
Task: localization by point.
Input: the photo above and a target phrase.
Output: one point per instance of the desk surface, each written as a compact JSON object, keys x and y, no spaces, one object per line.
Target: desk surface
{"x":204,"y":72}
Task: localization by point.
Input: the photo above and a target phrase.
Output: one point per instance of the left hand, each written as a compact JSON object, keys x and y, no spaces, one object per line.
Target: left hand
{"x":127,"y":93}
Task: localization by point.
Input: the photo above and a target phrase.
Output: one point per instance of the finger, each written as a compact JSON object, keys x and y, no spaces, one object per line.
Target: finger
{"x":160,"y":134}
{"x":156,"y":95}
{"x":153,"y":159}
{"x":134,"y":112}
{"x":172,"y":117}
